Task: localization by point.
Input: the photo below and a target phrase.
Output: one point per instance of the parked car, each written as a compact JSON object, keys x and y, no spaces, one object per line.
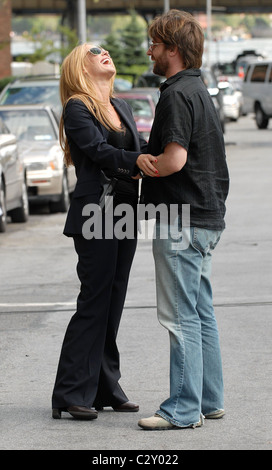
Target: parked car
{"x":13,"y":192}
{"x":48,"y":180}
{"x":33,"y":90}
{"x":232,"y":100}
{"x":153,"y":92}
{"x":244,"y":59}
{"x":257,"y":92}
{"x":143,"y":108}
{"x":149,"y":79}
{"x":238,"y":67}
{"x":211,"y":83}
{"x":121,"y":84}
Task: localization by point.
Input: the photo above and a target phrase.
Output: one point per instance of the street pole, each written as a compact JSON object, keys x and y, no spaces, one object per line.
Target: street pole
{"x":166,"y":5}
{"x":209,"y":34}
{"x":81,"y":13}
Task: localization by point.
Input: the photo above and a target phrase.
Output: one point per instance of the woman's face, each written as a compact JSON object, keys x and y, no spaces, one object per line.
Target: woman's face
{"x":98,"y":63}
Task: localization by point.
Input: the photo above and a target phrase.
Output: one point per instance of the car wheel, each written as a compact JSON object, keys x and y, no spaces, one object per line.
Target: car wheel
{"x":63,"y":204}
{"x":222,"y":122}
{"x":3,"y":209}
{"x":236,"y":117}
{"x":261,"y":118}
{"x":20,"y":214}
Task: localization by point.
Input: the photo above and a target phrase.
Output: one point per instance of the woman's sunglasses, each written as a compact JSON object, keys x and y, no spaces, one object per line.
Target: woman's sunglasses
{"x":96,"y":50}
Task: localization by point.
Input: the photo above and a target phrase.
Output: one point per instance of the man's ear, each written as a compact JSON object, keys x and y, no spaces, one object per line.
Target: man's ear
{"x":173,"y":50}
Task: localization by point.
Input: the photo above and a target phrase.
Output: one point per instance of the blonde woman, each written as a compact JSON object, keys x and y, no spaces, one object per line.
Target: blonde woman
{"x":97,"y":132}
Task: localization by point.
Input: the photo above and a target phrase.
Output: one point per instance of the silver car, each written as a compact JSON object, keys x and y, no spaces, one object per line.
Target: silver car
{"x":48,"y":180}
{"x":32,"y":90}
{"x":13,"y":192}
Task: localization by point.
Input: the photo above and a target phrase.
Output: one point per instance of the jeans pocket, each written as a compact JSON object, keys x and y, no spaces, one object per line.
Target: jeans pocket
{"x":205,"y":240}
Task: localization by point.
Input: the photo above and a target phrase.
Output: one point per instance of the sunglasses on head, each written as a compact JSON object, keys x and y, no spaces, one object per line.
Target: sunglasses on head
{"x":96,"y":50}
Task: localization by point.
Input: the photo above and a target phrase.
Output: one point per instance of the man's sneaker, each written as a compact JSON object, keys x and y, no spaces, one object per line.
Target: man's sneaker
{"x":215,"y":414}
{"x":157,"y":423}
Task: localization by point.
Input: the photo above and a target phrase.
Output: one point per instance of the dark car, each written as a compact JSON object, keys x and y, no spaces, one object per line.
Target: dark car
{"x":149,"y":79}
{"x":13,"y":191}
{"x":143,"y":108}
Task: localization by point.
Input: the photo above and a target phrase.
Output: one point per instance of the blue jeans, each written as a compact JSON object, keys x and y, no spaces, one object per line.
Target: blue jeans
{"x":185,"y":308}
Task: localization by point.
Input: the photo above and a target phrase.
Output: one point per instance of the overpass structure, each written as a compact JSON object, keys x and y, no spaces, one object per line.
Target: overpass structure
{"x":143,"y":7}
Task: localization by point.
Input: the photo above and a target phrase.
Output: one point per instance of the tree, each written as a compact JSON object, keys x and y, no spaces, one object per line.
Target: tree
{"x":113,"y":44}
{"x":132,"y":38}
{"x":69,"y":40}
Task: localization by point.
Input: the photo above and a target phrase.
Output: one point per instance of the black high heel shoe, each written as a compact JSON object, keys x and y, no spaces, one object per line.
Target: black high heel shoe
{"x":78,"y":412}
{"x":127,"y":407}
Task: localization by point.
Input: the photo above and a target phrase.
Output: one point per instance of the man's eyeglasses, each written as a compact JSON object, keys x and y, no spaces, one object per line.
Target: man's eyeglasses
{"x":96,"y":50}
{"x":151,"y":46}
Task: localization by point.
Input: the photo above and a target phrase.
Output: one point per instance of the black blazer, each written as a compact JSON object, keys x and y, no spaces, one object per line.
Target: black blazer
{"x":90,"y":153}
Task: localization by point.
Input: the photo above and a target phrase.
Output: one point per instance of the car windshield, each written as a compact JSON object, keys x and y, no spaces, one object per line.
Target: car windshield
{"x":32,"y":95}
{"x":140,"y":107}
{"x":29,"y":124}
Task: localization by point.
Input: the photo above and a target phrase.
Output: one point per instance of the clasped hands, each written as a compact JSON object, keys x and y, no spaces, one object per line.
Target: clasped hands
{"x":171,"y":161}
{"x":146,"y":162}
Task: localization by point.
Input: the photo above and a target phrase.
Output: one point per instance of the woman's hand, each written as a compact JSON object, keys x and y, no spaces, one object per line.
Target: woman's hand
{"x":145,"y":162}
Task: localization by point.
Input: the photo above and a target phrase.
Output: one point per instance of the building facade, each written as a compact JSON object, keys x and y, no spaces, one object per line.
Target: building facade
{"x":5,"y":29}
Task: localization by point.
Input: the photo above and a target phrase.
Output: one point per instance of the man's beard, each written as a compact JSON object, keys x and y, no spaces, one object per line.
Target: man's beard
{"x":160,"y":68}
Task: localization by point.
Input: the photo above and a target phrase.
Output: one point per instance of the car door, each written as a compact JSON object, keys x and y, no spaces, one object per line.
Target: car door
{"x":11,"y":167}
{"x":267,"y":100}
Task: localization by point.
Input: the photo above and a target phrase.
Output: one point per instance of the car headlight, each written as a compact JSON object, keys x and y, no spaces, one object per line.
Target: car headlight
{"x":52,"y":164}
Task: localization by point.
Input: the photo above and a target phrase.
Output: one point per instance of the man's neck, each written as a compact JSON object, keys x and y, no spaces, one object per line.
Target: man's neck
{"x":174,"y":68}
{"x":172,"y":72}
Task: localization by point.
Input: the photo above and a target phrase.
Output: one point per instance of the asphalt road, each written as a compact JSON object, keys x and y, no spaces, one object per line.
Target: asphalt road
{"x":38,"y":292}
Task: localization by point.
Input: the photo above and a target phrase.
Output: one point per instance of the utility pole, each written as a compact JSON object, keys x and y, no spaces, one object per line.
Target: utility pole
{"x":166,"y":5}
{"x":209,"y":30}
{"x":81,"y":14}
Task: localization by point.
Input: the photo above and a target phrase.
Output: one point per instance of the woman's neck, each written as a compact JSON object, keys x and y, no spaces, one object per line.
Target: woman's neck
{"x":103,"y":92}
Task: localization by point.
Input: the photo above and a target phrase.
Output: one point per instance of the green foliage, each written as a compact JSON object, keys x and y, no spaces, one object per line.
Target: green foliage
{"x":125,"y":48}
{"x":5,"y":81}
{"x":132,"y":38}
{"x":113,"y":45}
{"x":42,"y":46}
{"x":69,"y":40}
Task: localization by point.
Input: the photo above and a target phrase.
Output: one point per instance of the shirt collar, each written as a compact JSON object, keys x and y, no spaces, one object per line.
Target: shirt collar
{"x":177,"y":76}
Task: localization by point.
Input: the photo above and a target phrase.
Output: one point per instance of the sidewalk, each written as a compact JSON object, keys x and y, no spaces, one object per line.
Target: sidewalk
{"x":242,"y":274}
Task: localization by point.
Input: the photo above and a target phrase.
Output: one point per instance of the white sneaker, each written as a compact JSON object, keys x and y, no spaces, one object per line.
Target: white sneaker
{"x":157,"y":423}
{"x":215,"y":414}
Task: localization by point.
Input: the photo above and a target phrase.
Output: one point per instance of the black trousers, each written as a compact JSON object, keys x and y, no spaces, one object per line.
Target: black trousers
{"x":88,"y":370}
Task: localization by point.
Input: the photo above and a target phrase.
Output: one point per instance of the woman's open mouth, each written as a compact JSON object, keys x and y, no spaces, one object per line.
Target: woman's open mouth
{"x":106,"y":61}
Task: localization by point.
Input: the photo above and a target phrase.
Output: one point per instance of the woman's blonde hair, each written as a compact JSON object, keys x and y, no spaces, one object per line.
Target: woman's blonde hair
{"x":75,"y":83}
